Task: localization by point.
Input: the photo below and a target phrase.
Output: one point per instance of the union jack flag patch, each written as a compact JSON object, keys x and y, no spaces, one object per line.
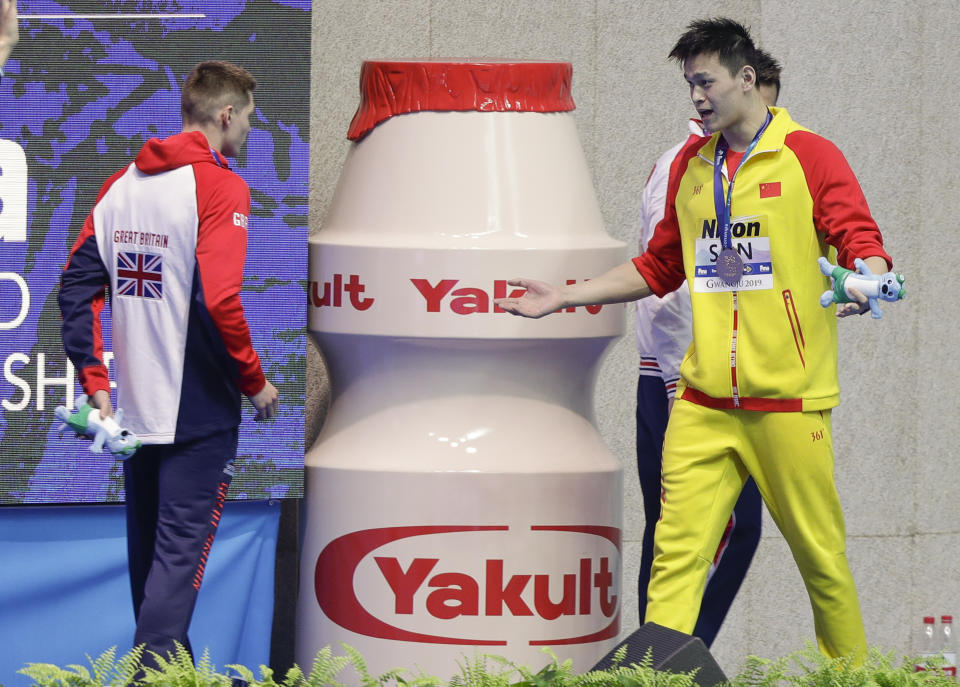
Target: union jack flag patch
{"x":139,"y":274}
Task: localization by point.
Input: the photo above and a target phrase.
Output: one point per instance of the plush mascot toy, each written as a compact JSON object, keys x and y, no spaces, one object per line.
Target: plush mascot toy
{"x":105,"y":431}
{"x":876,"y":287}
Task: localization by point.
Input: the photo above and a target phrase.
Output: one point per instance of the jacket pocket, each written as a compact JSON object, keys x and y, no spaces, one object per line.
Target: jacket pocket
{"x":795,"y":327}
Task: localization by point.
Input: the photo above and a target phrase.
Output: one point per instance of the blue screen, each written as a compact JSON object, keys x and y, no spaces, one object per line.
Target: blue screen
{"x":86,"y":86}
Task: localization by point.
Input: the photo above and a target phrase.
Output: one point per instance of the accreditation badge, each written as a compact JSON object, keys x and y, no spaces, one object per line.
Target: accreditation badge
{"x":750,"y":243}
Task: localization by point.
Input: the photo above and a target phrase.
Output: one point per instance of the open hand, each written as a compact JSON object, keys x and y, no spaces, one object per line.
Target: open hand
{"x":540,"y":299}
{"x":858,"y":308}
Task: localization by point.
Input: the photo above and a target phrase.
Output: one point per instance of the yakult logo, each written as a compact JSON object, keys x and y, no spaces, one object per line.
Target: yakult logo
{"x":330,"y":294}
{"x":442,"y":295}
{"x":467,"y":300}
{"x":423,"y":585}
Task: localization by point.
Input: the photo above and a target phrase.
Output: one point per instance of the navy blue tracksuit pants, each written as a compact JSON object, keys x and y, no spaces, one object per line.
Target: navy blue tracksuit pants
{"x":743,"y":531}
{"x":175,"y":495}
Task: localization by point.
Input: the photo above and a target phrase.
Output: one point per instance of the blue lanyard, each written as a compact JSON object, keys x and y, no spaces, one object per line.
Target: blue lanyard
{"x":215,"y":158}
{"x":723,"y":208}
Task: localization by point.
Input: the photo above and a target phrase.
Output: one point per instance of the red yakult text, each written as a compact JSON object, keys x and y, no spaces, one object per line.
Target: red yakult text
{"x":446,"y":295}
{"x":459,"y":593}
{"x":421,"y":586}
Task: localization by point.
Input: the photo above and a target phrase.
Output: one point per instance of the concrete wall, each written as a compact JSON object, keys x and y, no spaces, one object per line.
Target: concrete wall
{"x":872,"y":75}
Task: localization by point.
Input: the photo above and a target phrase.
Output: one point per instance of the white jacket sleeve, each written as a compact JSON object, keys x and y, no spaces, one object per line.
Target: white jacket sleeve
{"x":663,"y":324}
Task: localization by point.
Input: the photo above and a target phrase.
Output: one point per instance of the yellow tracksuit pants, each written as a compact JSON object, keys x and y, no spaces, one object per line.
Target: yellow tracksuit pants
{"x":707,"y":456}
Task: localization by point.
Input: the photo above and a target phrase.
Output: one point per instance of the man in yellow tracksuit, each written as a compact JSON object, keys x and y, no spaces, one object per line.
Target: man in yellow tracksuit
{"x":749,"y":210}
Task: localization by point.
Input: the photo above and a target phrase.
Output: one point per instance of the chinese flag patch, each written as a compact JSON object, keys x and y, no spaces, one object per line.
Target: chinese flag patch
{"x":770,"y":189}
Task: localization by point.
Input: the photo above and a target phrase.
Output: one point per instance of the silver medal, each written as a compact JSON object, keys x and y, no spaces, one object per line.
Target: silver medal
{"x":729,"y":266}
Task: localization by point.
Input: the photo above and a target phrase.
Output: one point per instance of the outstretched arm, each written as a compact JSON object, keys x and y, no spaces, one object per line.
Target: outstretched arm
{"x":621,"y":284}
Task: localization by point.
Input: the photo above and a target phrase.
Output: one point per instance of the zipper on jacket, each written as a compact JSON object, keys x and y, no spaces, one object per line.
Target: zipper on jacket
{"x":735,"y":392}
{"x":794,"y":320}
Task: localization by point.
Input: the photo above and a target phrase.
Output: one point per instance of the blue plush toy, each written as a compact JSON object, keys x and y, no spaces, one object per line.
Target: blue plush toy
{"x":887,"y":286}
{"x":85,"y":421}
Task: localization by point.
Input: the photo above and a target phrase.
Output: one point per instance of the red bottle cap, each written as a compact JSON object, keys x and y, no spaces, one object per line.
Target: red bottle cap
{"x":946,"y":619}
{"x":389,"y":88}
{"x":929,"y":620}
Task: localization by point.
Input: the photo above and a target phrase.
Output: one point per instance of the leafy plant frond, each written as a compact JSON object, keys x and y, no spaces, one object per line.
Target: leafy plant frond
{"x":475,"y":672}
{"x":177,"y":669}
{"x":640,"y":674}
{"x":125,"y":670}
{"x":325,"y":669}
{"x":246,"y":675}
{"x":421,"y":680}
{"x":206,"y":671}
{"x":807,"y":667}
{"x":359,"y":664}
{"x":44,"y":674}
{"x":294,"y":677}
{"x":106,"y":669}
{"x":103,"y":666}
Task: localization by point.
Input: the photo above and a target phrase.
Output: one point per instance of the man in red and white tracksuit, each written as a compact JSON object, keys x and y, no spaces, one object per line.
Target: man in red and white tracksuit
{"x":168,"y":236}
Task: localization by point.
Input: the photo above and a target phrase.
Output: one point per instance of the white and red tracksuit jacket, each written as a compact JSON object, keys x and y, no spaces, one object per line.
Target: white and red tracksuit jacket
{"x":168,"y":235}
{"x":663,"y":324}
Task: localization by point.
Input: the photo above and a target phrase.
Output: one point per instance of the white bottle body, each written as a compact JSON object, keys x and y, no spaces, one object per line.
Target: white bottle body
{"x":459,"y":498}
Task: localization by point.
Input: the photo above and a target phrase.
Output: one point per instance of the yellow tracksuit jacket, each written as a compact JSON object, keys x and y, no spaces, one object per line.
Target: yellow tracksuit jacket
{"x":766,"y":343}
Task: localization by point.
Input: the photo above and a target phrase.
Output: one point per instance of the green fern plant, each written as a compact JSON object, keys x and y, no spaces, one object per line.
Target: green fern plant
{"x":476,"y":672}
{"x":804,"y":668}
{"x":808,"y":667}
{"x":179,"y":670}
{"x":762,"y":672}
{"x":554,"y":674}
{"x":360,"y":665}
{"x":641,"y":674}
{"x":106,"y":669}
{"x":293,"y":678}
{"x":326,"y":672}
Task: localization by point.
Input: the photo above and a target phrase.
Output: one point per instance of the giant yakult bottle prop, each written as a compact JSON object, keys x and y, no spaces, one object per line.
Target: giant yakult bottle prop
{"x":459,"y":498}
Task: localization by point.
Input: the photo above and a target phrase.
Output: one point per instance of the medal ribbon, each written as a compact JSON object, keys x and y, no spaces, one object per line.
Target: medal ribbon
{"x":724,"y":208}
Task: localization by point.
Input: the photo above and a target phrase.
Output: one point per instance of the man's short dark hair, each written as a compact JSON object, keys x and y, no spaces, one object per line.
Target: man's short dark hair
{"x":729,"y":40}
{"x":768,"y":69}
{"x":212,"y":84}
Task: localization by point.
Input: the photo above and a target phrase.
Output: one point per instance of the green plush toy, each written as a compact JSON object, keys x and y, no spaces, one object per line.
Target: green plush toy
{"x":86,"y":422}
{"x":887,"y":286}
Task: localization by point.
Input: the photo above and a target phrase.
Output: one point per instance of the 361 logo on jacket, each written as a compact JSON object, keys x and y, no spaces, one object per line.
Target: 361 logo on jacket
{"x":139,"y":274}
